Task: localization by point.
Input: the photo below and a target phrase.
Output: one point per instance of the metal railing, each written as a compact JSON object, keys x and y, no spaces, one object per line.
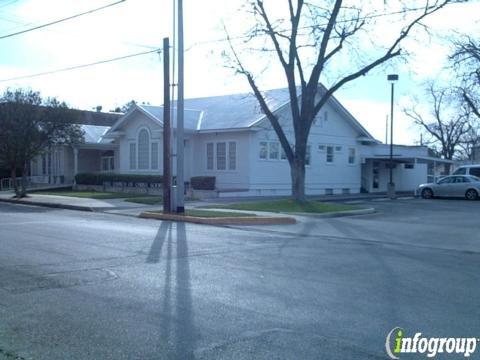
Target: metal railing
{"x":6,"y":184}
{"x":32,"y":181}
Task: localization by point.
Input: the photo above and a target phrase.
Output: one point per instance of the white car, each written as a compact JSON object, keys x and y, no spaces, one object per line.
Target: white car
{"x":468,"y":170}
{"x":467,"y":186}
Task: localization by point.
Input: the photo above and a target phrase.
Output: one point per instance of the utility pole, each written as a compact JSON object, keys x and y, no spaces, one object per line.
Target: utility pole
{"x":167,"y":166}
{"x":386,"y":130}
{"x":391,"y":185}
{"x":180,"y":114}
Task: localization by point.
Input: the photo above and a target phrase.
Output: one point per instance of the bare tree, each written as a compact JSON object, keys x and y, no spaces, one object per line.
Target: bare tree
{"x":447,"y":125}
{"x":470,"y":140}
{"x":326,"y":29}
{"x":466,"y":62}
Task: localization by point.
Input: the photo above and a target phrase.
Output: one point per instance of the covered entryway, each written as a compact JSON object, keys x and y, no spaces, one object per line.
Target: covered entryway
{"x":90,"y":158}
{"x":408,"y":172}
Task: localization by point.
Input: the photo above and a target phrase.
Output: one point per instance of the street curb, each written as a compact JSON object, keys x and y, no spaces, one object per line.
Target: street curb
{"x":339,"y":213}
{"x":49,"y":205}
{"x":243,"y":220}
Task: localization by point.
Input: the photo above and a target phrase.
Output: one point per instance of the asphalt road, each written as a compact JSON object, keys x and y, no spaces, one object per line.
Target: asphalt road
{"x":77,"y":285}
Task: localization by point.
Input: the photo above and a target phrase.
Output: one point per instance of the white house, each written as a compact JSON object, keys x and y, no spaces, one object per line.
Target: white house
{"x":59,"y":164}
{"x":230,"y":138}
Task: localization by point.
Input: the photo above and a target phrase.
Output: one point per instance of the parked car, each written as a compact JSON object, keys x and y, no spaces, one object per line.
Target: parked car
{"x":467,"y":186}
{"x":468,"y":170}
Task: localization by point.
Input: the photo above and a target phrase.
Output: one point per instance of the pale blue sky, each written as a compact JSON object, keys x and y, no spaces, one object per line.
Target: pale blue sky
{"x":139,"y":25}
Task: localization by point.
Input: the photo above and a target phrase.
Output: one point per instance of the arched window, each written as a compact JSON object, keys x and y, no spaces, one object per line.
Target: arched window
{"x":143,"y":150}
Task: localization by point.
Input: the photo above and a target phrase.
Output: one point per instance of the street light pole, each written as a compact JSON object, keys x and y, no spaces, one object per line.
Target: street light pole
{"x":180,"y":113}
{"x":167,"y":167}
{"x":391,"y":184}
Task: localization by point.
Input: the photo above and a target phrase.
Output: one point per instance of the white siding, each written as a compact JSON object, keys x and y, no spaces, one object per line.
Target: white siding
{"x":272,"y":176}
{"x":131,"y":129}
{"x":238,"y":178}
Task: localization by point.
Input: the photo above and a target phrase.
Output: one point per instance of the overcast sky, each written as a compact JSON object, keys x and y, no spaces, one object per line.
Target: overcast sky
{"x":139,"y":25}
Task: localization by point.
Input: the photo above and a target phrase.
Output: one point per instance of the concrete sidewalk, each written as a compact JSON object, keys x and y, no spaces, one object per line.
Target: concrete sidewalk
{"x":82,"y":204}
{"x":322,"y":198}
{"x":122,"y":207}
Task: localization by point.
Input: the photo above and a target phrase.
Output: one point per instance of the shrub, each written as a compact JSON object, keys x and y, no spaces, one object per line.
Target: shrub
{"x":100,"y":178}
{"x":203,"y":182}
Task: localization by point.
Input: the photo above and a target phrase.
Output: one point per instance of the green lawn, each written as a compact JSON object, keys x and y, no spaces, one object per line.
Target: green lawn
{"x":100,"y":195}
{"x":286,"y":205}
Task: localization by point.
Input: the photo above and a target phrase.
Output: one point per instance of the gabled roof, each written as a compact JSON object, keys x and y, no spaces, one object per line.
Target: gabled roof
{"x":191,"y":117}
{"x":93,"y":134}
{"x":236,"y":111}
{"x":150,"y":111}
{"x":365,"y":134}
{"x":96,"y":118}
{"x":95,"y":124}
{"x":231,"y":112}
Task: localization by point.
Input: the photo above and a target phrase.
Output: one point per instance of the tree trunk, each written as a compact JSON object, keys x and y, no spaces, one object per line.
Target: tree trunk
{"x":447,"y":168}
{"x":23,"y":192}
{"x":13,"y":175}
{"x":297,"y":171}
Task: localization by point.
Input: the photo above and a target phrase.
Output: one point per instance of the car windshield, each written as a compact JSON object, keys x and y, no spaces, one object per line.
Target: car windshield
{"x":445,"y":180}
{"x":460,"y":171}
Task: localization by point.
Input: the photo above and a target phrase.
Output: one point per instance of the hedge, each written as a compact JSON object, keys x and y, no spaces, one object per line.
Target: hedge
{"x":100,"y":178}
{"x":203,"y":182}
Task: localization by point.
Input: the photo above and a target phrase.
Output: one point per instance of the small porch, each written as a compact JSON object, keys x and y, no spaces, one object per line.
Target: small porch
{"x":408,"y":172}
{"x":91,"y":158}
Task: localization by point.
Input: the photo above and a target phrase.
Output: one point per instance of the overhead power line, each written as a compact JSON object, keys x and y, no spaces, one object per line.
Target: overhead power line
{"x":366,"y":17}
{"x":61,"y":20}
{"x":8,"y":3}
{"x":81,"y":66}
{"x":158,"y":50}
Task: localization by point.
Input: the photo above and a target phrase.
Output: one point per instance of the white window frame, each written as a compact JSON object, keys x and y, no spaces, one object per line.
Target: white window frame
{"x":149,"y":150}
{"x":354,"y":156}
{"x":110,"y":163}
{"x":260,"y":146}
{"x":227,"y":156}
{"x":207,"y":157}
{"x":133,"y":143}
{"x":281,"y":156}
{"x":274,"y":144}
{"x":333,"y":154}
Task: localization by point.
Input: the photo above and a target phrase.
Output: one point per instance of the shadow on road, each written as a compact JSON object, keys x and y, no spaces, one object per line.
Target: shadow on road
{"x":156,"y":247}
{"x":177,"y":326}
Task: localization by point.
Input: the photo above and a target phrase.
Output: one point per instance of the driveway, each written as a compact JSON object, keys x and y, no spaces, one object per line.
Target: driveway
{"x":99,"y":286}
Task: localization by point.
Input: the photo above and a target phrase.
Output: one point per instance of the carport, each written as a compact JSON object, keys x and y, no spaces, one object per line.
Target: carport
{"x":408,"y":171}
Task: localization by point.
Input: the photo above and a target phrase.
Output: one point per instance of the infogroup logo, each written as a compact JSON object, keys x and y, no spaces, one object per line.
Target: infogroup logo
{"x":397,"y":343}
